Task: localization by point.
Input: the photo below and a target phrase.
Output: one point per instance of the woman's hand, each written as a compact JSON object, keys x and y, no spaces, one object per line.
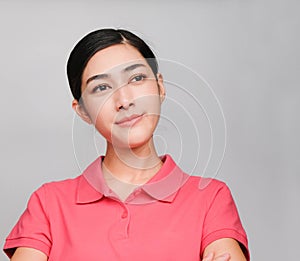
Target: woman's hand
{"x":211,"y":257}
{"x":224,"y":246}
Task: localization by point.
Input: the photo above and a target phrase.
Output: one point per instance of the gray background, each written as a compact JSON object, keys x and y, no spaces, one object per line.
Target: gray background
{"x":247,"y":50}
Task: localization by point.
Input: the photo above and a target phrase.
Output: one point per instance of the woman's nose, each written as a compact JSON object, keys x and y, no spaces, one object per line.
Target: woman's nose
{"x":124,"y":98}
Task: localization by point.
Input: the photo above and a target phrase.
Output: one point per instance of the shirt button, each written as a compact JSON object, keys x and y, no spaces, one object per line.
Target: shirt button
{"x":124,"y":215}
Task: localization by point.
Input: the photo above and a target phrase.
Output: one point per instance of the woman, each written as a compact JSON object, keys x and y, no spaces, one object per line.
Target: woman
{"x":130,"y":204}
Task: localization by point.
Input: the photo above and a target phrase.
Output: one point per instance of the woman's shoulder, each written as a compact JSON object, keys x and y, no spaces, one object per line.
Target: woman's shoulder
{"x":206,"y":183}
{"x":204,"y":187}
{"x":60,"y":187}
{"x":64,"y":182}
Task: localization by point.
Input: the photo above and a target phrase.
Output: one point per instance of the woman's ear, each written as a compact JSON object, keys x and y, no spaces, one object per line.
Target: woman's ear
{"x":161,"y":87}
{"x":81,"y":111}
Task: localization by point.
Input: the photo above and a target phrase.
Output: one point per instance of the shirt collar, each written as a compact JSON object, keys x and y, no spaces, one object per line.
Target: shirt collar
{"x":163,"y":186}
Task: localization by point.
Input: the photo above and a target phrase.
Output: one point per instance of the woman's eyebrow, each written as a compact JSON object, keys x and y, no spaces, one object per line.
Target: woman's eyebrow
{"x":97,"y":77}
{"x":105,"y":75}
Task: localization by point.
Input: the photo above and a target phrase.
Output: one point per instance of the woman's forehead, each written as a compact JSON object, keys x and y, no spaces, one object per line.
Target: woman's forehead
{"x":113,"y":58}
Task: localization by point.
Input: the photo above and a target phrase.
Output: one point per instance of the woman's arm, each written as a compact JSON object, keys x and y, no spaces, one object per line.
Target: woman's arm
{"x":28,"y":254}
{"x":225,"y":246}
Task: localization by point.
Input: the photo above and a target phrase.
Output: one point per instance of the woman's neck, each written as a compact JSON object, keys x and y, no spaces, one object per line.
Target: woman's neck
{"x":135,"y":166}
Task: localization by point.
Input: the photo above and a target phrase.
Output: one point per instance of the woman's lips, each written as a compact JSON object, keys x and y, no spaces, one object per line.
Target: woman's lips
{"x":129,"y":121}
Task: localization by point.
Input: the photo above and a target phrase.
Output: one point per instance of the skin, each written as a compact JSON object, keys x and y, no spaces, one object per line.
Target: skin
{"x":129,"y":150}
{"x":28,"y":254}
{"x":222,"y":250}
{"x":130,"y":154}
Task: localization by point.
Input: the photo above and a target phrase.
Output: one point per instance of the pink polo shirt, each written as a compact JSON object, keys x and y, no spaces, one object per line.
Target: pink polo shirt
{"x":172,"y":217}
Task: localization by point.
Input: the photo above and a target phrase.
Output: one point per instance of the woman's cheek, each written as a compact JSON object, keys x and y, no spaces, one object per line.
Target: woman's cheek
{"x":104,"y":121}
{"x":98,"y":111}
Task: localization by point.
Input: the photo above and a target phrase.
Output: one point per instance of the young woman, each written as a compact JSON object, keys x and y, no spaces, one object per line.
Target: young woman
{"x":130,"y":204}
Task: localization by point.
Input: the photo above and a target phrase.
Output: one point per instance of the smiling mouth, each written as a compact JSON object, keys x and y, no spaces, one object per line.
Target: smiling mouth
{"x":129,"y":121}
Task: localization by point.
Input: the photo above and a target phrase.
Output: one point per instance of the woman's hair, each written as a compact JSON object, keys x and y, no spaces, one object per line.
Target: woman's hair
{"x":99,"y":40}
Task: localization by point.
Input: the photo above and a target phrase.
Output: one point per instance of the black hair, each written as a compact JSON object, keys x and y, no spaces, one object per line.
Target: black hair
{"x":96,"y":41}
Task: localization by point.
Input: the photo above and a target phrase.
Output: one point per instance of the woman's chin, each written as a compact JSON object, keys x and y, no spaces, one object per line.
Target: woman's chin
{"x":133,"y":140}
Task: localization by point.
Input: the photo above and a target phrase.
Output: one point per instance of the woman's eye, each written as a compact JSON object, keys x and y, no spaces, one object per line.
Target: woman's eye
{"x":101,"y":88}
{"x":138,"y":78}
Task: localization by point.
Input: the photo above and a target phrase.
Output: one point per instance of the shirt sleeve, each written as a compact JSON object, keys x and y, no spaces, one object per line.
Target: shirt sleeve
{"x":32,"y":229}
{"x":222,"y":220}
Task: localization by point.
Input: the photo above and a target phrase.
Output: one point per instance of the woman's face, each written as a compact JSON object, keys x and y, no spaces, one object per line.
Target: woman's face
{"x":121,"y":96}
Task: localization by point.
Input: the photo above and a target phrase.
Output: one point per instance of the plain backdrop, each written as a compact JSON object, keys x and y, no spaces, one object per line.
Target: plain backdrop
{"x":248,"y":51}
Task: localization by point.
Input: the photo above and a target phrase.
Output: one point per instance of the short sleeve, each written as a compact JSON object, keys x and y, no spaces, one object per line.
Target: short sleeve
{"x":32,"y":229}
{"x":222,"y":220}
